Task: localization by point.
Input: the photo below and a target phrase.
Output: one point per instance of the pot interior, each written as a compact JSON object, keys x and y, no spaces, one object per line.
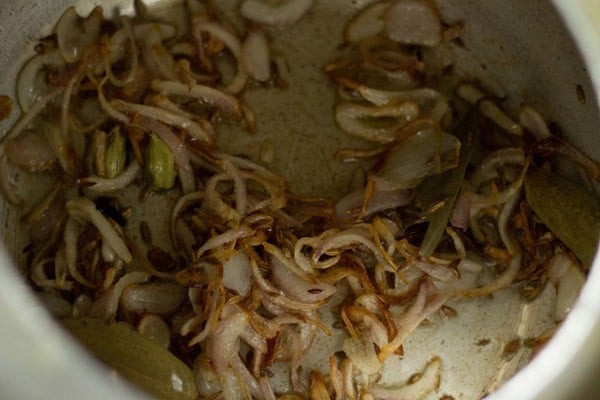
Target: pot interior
{"x":517,"y":50}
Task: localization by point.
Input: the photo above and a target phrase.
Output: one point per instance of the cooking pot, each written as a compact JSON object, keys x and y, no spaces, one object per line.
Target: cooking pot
{"x":540,"y":51}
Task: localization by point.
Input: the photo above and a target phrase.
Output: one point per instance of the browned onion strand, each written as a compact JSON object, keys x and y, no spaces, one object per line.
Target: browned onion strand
{"x":245,"y":275}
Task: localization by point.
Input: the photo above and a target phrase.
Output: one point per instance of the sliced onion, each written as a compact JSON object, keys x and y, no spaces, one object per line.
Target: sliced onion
{"x":116,"y":45}
{"x":500,"y":118}
{"x":182,"y":202}
{"x":558,"y":266}
{"x":46,"y":216}
{"x":298,"y":288}
{"x":256,"y":55}
{"x":275,"y":13}
{"x":367,"y":23}
{"x":438,"y":272}
{"x":470,"y":93}
{"x":431,"y":101}
{"x":569,"y":287}
{"x":81,"y":306}
{"x":85,"y":209}
{"x":206,"y":378}
{"x":7,"y":187}
{"x":231,"y":235}
{"x":489,"y":167}
{"x":105,"y":306}
{"x":531,"y":120}
{"x":213,"y":201}
{"x":71,"y":237}
{"x":35,"y":109}
{"x":222,"y":101}
{"x":225,"y":350}
{"x":428,"y":382}
{"x":133,"y":54}
{"x":103,"y":185}
{"x":352,"y":117}
{"x":233,"y":44}
{"x":31,"y":152}
{"x":414,"y":22}
{"x":421,"y":309}
{"x":425,"y":153}
{"x":154,"y":298}
{"x":107,"y":107}
{"x":157,"y":59}
{"x":193,"y":128}
{"x":236,"y":274}
{"x":349,"y":207}
{"x":461,"y":211}
{"x":363,"y":355}
{"x":28,"y":91}
{"x":156,"y":329}
{"x":75,"y":35}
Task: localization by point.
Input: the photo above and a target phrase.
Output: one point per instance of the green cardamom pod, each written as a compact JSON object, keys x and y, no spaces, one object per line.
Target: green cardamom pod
{"x":160,"y":164}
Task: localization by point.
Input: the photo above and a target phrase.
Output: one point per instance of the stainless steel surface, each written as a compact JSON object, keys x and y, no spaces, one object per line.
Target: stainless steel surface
{"x":518,"y":49}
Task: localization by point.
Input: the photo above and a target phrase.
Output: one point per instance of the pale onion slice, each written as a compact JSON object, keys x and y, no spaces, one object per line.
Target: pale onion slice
{"x":105,"y":307}
{"x":426,"y":303}
{"x":7,"y":186}
{"x":236,"y":274}
{"x":365,"y":120}
{"x":363,"y":356}
{"x":427,"y":152}
{"x":84,"y":209}
{"x":155,"y":329}
{"x":298,"y":288}
{"x":489,"y":168}
{"x":205,"y":376}
{"x":367,"y":23}
{"x":569,"y":287}
{"x":116,"y":45}
{"x":470,"y":93}
{"x":256,"y":55}
{"x":75,"y":34}
{"x":30,"y":152}
{"x":195,"y":130}
{"x":225,"y":351}
{"x":161,"y":298}
{"x":432,"y":103}
{"x":234,"y":45}
{"x":489,"y":108}
{"x":558,"y":266}
{"x":414,"y":22}
{"x":28,"y":82}
{"x":133,"y":56}
{"x":229,"y":236}
{"x":459,"y":218}
{"x":97,"y":184}
{"x":500,"y":118}
{"x":269,"y":12}
{"x":531,"y":120}
{"x":350,"y":206}
{"x":214,"y":97}
{"x":71,"y":237}
{"x":428,"y":382}
{"x":67,"y":34}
